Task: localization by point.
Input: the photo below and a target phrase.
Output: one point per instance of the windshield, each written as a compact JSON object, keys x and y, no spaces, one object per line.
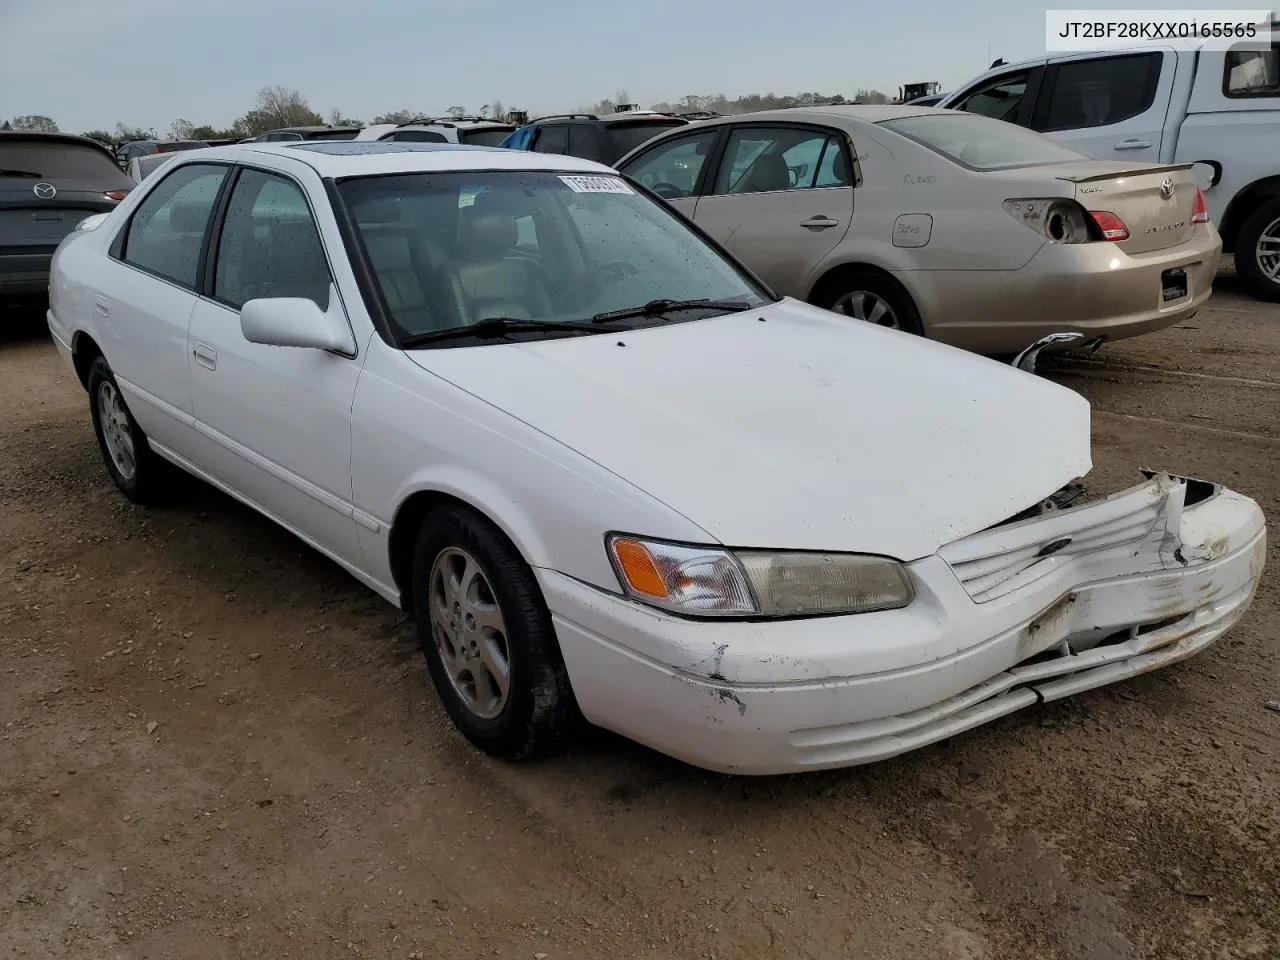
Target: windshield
{"x":981,"y":143}
{"x":486,"y":136}
{"x":57,"y":159}
{"x":452,"y":249}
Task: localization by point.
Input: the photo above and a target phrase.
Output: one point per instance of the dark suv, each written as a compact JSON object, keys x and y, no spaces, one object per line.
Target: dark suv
{"x":605,"y":139}
{"x":49,"y":182}
{"x":142,"y":148}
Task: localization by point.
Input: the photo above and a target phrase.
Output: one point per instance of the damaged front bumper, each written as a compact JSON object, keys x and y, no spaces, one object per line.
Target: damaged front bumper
{"x":1025,"y":612}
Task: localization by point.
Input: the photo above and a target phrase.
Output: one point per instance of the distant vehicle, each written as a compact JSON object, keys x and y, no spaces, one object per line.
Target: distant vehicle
{"x":315,"y":132}
{"x":1218,"y":109}
{"x":141,"y":167}
{"x":374,"y":131}
{"x":141,"y":148}
{"x":961,"y":228}
{"x":910,"y":92}
{"x":602,"y":138}
{"x":473,"y":131}
{"x":49,"y":182}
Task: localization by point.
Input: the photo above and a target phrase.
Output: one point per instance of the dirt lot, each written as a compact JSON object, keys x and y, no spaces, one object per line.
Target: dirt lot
{"x":214,"y":744}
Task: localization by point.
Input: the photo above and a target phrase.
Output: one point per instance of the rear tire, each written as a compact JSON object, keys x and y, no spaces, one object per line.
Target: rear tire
{"x":134,"y":468}
{"x":488,"y":639}
{"x":1258,"y":251}
{"x":873,"y":298}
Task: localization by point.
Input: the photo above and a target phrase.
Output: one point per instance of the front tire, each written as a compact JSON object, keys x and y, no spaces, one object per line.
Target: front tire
{"x":134,"y":468}
{"x":873,"y":298}
{"x":1257,"y":252}
{"x":488,"y":638}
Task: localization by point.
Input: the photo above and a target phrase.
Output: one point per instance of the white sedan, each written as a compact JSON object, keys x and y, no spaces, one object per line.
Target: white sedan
{"x":608,"y":471}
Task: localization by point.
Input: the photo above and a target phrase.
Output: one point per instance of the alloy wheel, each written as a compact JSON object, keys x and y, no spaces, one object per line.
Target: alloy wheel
{"x":869,"y":307}
{"x":470,"y":632}
{"x":117,"y":435}
{"x":1267,"y":251}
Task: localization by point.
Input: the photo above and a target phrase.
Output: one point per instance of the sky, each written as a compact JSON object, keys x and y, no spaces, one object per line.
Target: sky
{"x":89,"y":64}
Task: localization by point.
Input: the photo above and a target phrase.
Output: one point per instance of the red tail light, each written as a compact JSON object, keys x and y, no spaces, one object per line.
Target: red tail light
{"x":1111,"y":226}
{"x":1199,"y":211}
{"x":155,"y":149}
{"x":116,"y":195}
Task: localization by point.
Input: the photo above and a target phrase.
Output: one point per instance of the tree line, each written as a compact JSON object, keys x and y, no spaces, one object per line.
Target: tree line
{"x":280,"y":106}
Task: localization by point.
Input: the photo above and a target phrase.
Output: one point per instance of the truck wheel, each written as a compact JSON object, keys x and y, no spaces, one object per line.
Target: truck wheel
{"x":1258,"y":252}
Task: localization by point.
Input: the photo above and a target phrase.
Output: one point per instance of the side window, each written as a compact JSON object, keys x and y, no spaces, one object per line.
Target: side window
{"x":671,"y":169}
{"x":553,"y":138}
{"x":768,"y":159}
{"x":1252,"y":73}
{"x":1000,"y":98}
{"x":835,"y":170}
{"x":166,"y":233}
{"x":270,"y":246}
{"x":1098,"y":92}
{"x":583,"y":141}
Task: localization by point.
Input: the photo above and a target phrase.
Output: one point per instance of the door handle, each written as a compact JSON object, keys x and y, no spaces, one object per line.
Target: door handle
{"x":1132,"y":145}
{"x":820,"y":223}
{"x":103,"y":306}
{"x":205,"y":356}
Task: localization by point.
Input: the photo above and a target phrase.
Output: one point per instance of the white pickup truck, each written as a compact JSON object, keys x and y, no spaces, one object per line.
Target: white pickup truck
{"x":1158,"y":104}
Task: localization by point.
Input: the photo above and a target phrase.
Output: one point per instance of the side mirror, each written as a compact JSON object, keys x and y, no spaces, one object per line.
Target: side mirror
{"x":297,"y":322}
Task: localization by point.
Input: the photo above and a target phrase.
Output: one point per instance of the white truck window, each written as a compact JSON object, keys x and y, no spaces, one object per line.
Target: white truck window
{"x":1252,"y":73}
{"x":1099,"y":91}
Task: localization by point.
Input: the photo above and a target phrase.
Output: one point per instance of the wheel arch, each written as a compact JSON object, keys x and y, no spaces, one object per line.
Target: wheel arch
{"x":1242,"y":207}
{"x":84,"y":350}
{"x":832,"y":277}
{"x":418,"y":504}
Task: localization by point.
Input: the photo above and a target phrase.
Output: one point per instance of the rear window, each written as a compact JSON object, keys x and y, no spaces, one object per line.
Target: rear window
{"x":332,"y":135}
{"x":627,"y":136}
{"x":982,"y":144}
{"x":51,"y":160}
{"x":490,"y":137}
{"x":1252,"y":73}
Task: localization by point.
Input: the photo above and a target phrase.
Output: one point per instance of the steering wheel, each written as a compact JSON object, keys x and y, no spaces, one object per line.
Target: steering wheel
{"x":668,"y":191}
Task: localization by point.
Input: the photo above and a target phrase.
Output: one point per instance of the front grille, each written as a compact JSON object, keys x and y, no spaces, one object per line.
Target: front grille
{"x":998,"y":561}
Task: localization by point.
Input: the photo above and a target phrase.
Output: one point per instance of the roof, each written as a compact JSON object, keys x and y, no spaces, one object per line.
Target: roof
{"x":56,"y":138}
{"x":350,"y":158}
{"x":865,"y":113}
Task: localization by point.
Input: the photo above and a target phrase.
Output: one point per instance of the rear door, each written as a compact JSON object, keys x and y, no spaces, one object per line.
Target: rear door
{"x":147,"y":295}
{"x":1112,"y":107}
{"x":781,"y":199}
{"x":47,"y":186}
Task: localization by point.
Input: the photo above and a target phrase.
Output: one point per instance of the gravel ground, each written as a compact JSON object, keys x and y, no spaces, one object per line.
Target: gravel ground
{"x":215,"y":744}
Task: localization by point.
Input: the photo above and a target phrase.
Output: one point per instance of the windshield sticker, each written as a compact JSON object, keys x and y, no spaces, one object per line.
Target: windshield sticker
{"x":596,"y":185}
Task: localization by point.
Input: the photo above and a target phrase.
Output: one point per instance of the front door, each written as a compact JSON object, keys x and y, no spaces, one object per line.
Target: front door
{"x":274,"y":423}
{"x":673,"y":168}
{"x":781,"y":201}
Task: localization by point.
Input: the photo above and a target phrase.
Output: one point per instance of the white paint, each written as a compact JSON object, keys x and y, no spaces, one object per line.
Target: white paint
{"x":783,"y":427}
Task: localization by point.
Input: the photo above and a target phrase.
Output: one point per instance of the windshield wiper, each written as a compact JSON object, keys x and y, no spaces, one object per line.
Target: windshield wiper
{"x":495,"y":328}
{"x":658,"y":308}
{"x":5,"y":172}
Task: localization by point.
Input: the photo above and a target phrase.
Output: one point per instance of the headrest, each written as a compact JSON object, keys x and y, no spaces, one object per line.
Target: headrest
{"x":491,"y":234}
{"x":769,"y":172}
{"x":388,"y":251}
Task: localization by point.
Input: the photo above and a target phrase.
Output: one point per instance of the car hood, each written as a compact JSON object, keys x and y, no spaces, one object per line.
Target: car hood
{"x":789,"y":427}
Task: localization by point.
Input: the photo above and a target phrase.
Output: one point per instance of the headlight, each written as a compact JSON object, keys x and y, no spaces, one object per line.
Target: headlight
{"x":715,"y":582}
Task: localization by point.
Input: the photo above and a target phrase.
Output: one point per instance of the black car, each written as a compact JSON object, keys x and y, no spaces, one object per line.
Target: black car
{"x":605,"y":139}
{"x":49,"y":182}
{"x":318,"y":132}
